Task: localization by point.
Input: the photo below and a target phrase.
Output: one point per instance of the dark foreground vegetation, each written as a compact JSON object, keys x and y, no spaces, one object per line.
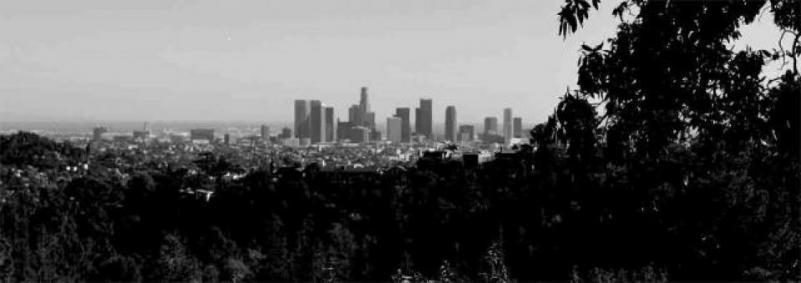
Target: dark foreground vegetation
{"x":690,"y":172}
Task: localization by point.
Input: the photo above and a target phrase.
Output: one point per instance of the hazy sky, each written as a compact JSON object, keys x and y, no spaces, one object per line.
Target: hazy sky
{"x":110,"y":60}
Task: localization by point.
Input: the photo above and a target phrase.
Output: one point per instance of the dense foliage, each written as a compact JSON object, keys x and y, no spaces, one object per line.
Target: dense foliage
{"x":675,"y":159}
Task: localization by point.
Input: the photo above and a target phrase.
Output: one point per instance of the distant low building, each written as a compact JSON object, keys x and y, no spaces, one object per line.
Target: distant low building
{"x":286,"y":133}
{"x":141,"y":135}
{"x":201,"y":134}
{"x":493,"y":138}
{"x":97,"y":133}
{"x":359,"y":134}
{"x":466,"y":133}
{"x":265,"y":132}
{"x":122,"y":139}
{"x":291,"y":142}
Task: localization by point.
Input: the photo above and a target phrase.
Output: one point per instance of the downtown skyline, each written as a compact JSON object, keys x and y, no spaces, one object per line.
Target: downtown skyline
{"x":314,"y":122}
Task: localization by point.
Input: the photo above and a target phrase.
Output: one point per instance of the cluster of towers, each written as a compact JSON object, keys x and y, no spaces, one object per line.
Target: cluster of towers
{"x":314,"y":123}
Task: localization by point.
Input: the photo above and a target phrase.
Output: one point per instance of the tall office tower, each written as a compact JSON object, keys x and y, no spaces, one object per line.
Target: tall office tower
{"x":369,"y":120}
{"x":329,"y":124}
{"x":364,"y":106}
{"x":394,"y":131}
{"x":265,"y":132}
{"x":146,"y":128}
{"x":97,"y":133}
{"x":427,"y":115}
{"x":450,"y":123}
{"x":317,"y":124}
{"x":517,"y":127}
{"x":353,"y":114}
{"x":418,"y":121}
{"x":507,"y":125}
{"x":466,"y":133}
{"x":406,"y":130}
{"x":302,"y":119}
{"x":227,"y":139}
{"x":490,"y":126}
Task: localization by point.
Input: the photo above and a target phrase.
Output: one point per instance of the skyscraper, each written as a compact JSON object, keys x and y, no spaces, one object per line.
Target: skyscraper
{"x":427,"y":117}
{"x":353,"y":114}
{"x":369,"y":121}
{"x":490,"y":126}
{"x":301,"y":119}
{"x":329,"y":124}
{"x":406,"y":129}
{"x":418,"y":121}
{"x":394,"y":125}
{"x":517,"y":127}
{"x":507,"y":124}
{"x":317,"y":124}
{"x":364,"y":104}
{"x":450,"y":123}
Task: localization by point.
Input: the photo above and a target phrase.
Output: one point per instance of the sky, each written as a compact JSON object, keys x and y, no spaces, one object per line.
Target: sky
{"x":176,"y":60}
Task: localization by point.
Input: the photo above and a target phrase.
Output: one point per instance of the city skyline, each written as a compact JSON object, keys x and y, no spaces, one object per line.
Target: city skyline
{"x":314,"y":123}
{"x":89,"y":61}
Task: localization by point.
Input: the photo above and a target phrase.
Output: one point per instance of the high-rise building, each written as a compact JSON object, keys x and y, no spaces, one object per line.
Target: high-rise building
{"x":427,"y":117}
{"x":265,"y":132}
{"x":227,"y":139}
{"x":394,"y":129}
{"x":418,"y":121}
{"x":329,"y":124}
{"x":369,"y":120}
{"x":450,"y":123}
{"x":360,"y":115}
{"x":517,"y":127}
{"x":302,"y":112}
{"x":317,"y":121}
{"x":406,"y":130}
{"x":466,"y":133}
{"x":353,"y":114}
{"x":490,"y":126}
{"x":507,"y":124}
{"x":364,"y":104}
